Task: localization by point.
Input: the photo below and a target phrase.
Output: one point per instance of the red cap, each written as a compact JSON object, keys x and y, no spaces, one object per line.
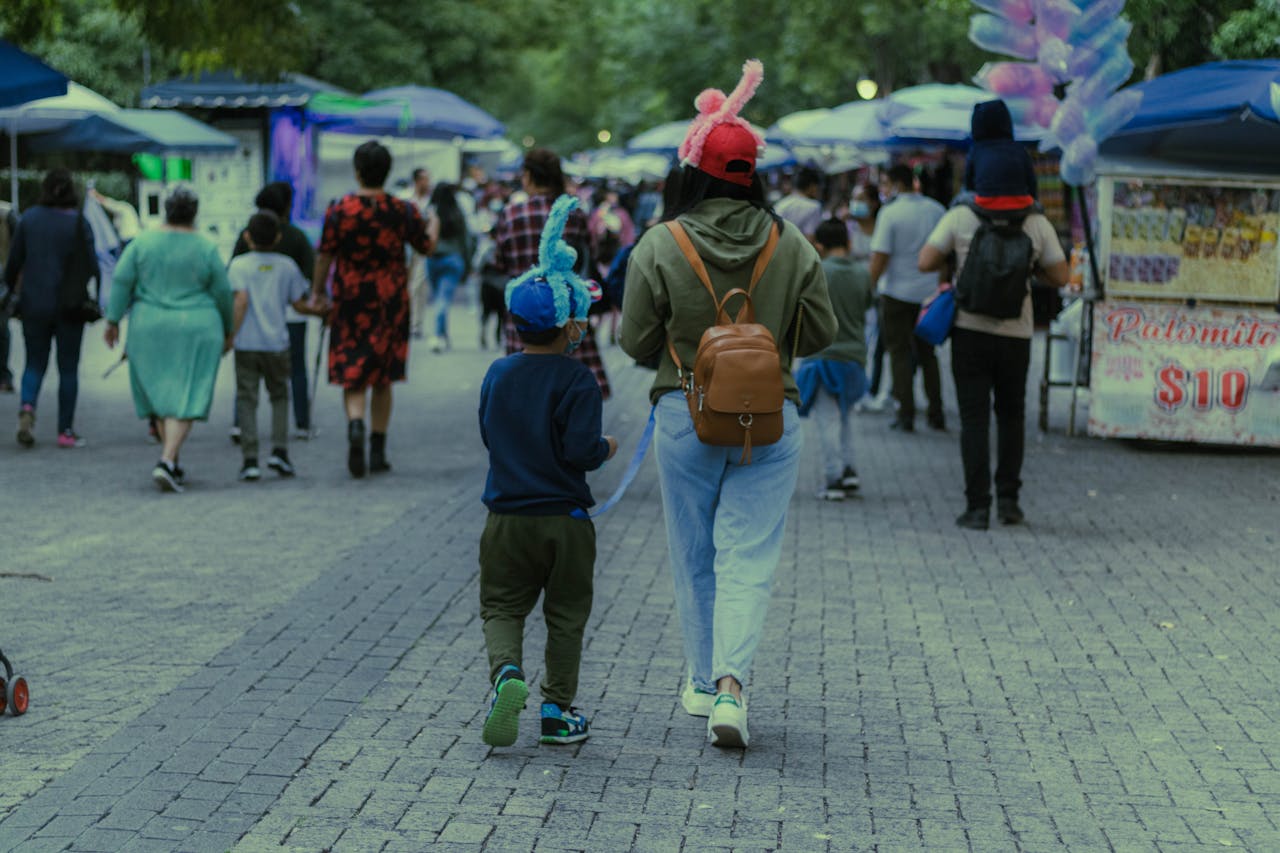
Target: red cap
{"x":725,"y":144}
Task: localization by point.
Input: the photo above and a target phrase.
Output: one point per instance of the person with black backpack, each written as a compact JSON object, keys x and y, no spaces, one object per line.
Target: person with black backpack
{"x":1000,"y":239}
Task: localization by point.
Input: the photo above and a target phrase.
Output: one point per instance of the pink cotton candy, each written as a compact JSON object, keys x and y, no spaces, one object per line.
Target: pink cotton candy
{"x":1018,"y":11}
{"x":1014,"y":79}
{"x":1002,"y":36}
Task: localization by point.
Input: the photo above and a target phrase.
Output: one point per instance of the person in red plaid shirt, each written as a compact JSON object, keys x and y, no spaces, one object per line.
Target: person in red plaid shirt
{"x":517,"y":232}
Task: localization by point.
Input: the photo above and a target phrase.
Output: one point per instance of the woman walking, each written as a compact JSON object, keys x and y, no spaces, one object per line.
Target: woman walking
{"x":47,"y":237}
{"x":174,"y":285}
{"x":447,"y":265}
{"x":724,"y":518}
{"x":363,"y":246}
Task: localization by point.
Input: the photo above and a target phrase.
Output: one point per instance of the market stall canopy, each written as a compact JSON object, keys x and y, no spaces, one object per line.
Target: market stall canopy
{"x":855,"y":123}
{"x":133,"y":131}
{"x":1220,"y":112}
{"x":24,"y":78}
{"x":419,"y":112}
{"x":47,"y":114}
{"x":226,"y":89}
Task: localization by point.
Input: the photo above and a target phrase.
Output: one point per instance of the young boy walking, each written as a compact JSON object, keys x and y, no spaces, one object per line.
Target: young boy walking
{"x":265,"y":283}
{"x":540,"y":414}
{"x":834,"y":379}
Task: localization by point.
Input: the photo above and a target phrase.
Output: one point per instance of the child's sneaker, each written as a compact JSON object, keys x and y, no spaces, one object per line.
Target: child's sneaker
{"x":727,"y":725}
{"x":849,"y":479}
{"x":68,"y":438}
{"x":250,"y":470}
{"x":562,"y":725}
{"x":502,"y":725}
{"x":279,"y":462}
{"x":696,"y":701}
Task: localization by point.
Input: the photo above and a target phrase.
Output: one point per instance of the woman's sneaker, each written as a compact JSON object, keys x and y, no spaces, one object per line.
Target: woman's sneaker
{"x":562,"y":725}
{"x":68,"y":438}
{"x":165,"y":475}
{"x":833,"y":491}
{"x":727,"y":725}
{"x":696,"y":701}
{"x":502,"y":724}
{"x":849,"y":479}
{"x":26,"y":425}
{"x":250,"y":470}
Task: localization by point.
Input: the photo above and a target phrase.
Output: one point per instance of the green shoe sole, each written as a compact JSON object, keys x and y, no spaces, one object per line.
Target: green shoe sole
{"x":503,"y":723}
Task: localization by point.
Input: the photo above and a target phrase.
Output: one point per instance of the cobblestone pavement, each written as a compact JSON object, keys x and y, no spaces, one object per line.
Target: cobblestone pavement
{"x":299,"y":665}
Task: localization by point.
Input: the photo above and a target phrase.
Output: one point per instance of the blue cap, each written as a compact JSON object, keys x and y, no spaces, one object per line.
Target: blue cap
{"x":551,"y":293}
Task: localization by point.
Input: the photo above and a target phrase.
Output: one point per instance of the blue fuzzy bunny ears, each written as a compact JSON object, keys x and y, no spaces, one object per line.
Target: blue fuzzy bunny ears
{"x":549,"y":294}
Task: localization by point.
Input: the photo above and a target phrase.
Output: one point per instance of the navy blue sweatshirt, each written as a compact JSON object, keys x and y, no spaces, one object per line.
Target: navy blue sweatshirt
{"x":540,"y":419}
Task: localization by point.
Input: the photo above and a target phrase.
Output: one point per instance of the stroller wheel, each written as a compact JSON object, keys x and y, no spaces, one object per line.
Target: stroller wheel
{"x":4,"y":696}
{"x":18,"y":695}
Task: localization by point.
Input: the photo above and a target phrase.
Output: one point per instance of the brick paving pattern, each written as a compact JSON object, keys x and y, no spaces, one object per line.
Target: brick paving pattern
{"x":298,"y":665}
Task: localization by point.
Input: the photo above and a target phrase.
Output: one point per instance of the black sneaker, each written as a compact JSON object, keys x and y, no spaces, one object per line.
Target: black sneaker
{"x":899,"y":425}
{"x":166,"y":477}
{"x":1008,"y":511}
{"x":250,"y":470}
{"x":234,"y":434}
{"x":279,"y":462}
{"x":975,"y":519}
{"x":562,"y":725}
{"x":939,"y":424}
{"x":849,"y":479}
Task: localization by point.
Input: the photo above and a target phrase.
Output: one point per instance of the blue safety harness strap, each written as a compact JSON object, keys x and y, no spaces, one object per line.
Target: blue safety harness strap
{"x":632,"y":469}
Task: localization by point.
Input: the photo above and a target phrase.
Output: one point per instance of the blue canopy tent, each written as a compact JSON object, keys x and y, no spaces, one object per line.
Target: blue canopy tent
{"x":134,"y":131}
{"x":1221,"y":116}
{"x":417,"y":112}
{"x":227,"y":90}
{"x":24,"y":78}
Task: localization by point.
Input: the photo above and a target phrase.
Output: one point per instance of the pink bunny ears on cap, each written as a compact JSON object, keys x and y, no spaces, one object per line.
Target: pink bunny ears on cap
{"x":719,"y":141}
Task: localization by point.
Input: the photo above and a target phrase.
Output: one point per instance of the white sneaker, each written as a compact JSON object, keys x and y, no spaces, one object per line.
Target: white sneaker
{"x":696,"y":703}
{"x":727,"y":725}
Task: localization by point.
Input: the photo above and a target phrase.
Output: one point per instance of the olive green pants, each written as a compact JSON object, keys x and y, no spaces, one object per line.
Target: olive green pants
{"x":520,"y":557}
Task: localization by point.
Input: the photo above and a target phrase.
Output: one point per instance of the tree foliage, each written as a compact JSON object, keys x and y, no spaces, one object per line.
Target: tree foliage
{"x":562,"y":70}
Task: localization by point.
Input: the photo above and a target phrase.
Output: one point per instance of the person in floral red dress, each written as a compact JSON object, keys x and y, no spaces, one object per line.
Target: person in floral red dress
{"x":363,"y":246}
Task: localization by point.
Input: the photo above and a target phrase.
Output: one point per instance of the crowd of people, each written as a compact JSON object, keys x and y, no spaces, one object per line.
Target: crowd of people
{"x":822,"y":288}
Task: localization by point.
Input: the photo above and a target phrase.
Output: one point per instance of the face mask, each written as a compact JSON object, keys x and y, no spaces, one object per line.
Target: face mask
{"x":860,"y":210}
{"x":495,"y":205}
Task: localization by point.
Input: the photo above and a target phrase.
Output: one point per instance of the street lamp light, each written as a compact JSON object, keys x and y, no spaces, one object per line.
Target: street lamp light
{"x":527,"y":142}
{"x":604,"y":136}
{"x":867,"y":88}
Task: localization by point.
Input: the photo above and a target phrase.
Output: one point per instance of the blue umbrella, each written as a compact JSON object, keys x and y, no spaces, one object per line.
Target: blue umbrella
{"x":663,"y":139}
{"x":132,"y":131}
{"x":854,"y":123}
{"x":24,"y":78}
{"x":1220,"y":111}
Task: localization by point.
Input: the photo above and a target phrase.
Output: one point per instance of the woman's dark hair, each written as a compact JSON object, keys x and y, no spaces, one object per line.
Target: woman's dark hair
{"x":58,"y":190}
{"x":373,"y":163}
{"x":544,"y":170}
{"x":871,"y":196}
{"x":696,"y":186}
{"x":276,"y":197}
{"x":181,"y":206}
{"x":445,"y":201}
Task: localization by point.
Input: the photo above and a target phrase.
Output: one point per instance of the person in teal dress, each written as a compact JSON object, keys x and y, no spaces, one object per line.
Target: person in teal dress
{"x":174,"y":286}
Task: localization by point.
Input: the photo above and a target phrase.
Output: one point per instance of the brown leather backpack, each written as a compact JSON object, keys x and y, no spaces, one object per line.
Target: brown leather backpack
{"x":735,"y":392}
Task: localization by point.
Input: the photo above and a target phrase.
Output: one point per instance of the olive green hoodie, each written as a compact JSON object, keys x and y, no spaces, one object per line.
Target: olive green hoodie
{"x":663,"y":296}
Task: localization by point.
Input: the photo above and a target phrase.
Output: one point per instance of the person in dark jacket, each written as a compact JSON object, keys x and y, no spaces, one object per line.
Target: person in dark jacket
{"x":993,"y":141}
{"x":44,"y":241}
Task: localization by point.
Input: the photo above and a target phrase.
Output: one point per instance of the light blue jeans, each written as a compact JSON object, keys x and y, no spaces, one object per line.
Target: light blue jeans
{"x":446,"y":273}
{"x":724,"y":536}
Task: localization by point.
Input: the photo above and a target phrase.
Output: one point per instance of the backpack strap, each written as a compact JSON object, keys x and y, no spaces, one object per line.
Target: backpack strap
{"x":700,"y":269}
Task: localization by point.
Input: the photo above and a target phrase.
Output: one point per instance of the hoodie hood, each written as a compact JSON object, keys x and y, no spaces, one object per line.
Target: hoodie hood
{"x":726,"y":232}
{"x":991,"y":120}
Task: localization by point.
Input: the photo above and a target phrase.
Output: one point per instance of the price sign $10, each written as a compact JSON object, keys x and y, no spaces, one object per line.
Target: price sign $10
{"x":1204,"y":388}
